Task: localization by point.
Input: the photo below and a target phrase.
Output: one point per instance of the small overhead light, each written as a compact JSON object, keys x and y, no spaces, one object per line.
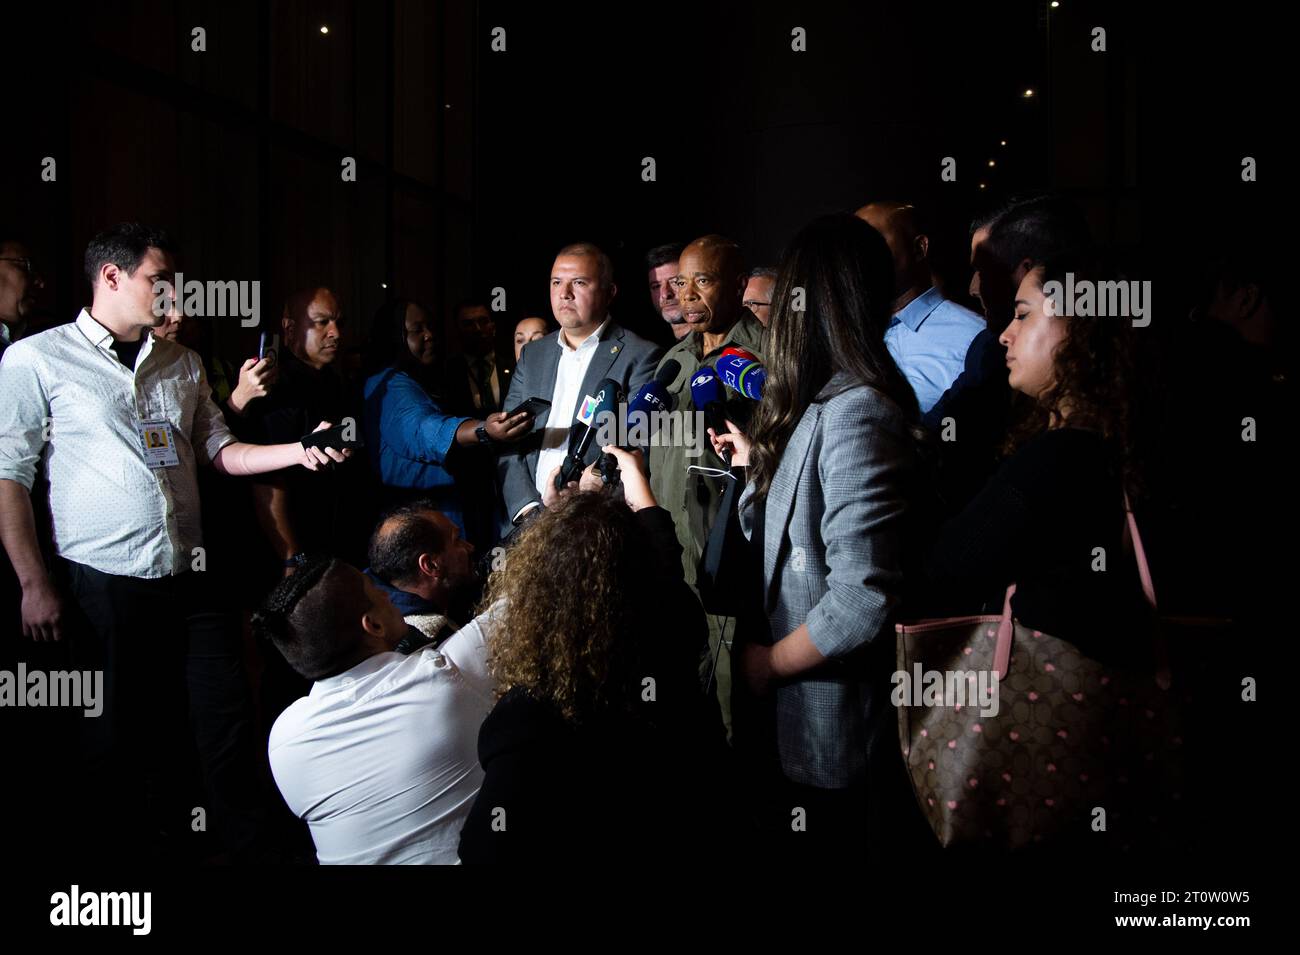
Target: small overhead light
{"x":383,"y":285}
{"x":984,"y":185}
{"x":1054,"y":4}
{"x":446,"y":106}
{"x":1028,"y":93}
{"x":1002,"y":143}
{"x":992,"y":163}
{"x":324,"y":29}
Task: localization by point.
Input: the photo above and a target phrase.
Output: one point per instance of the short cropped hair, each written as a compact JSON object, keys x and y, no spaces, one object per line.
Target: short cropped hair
{"x":1034,"y":228}
{"x":125,"y":246}
{"x":604,"y":265}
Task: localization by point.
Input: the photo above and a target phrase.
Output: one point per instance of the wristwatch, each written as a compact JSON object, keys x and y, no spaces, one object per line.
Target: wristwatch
{"x":481,"y":433}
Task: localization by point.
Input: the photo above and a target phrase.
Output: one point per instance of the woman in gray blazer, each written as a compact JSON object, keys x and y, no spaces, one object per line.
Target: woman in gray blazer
{"x":829,"y":459}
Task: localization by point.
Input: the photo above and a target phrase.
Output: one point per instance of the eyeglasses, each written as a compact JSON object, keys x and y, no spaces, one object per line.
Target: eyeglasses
{"x":27,"y":265}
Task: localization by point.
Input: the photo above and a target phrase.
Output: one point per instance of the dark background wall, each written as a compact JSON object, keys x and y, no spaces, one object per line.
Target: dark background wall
{"x":474,"y":166}
{"x":753,"y":139}
{"x":238,"y":150}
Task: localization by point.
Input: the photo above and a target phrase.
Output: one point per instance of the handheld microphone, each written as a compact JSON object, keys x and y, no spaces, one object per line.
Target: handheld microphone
{"x":591,"y":412}
{"x":744,"y":375}
{"x":706,"y":393}
{"x":742,"y":352}
{"x":653,"y":397}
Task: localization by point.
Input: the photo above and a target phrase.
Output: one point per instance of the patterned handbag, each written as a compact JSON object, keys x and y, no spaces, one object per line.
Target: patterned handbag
{"x":1075,"y":747}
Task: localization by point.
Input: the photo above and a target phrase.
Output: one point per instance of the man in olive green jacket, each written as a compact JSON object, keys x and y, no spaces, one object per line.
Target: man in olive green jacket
{"x":710,"y":287}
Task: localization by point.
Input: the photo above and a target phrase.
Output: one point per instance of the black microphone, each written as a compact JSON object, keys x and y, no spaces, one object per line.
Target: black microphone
{"x":651,"y":398}
{"x":592,"y":411}
{"x":707,"y":394}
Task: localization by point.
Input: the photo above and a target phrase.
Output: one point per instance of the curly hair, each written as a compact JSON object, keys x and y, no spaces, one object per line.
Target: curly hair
{"x":1096,"y":371}
{"x":574,"y":603}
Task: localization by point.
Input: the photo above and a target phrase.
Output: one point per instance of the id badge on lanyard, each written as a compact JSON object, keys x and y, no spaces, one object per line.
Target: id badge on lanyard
{"x":159,"y":444}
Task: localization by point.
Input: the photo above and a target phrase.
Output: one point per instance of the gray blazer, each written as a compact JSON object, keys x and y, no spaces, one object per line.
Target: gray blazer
{"x":622,"y":355}
{"x":832,"y":559}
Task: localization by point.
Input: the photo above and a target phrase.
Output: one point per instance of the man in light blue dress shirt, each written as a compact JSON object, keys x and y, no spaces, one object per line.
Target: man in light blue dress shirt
{"x":929,"y":335}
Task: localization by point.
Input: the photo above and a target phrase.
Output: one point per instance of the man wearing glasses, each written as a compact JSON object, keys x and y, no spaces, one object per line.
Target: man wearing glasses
{"x":18,"y":286}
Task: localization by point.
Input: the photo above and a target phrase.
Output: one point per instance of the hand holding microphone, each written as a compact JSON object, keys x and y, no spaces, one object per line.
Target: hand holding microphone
{"x":557,"y":490}
{"x":632,"y":472}
{"x":732,"y":444}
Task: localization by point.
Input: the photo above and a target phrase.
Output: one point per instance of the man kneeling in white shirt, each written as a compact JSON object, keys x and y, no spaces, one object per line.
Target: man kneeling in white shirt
{"x":380,"y":758}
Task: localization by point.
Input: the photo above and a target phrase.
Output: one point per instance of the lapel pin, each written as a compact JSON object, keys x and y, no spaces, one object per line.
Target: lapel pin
{"x":614,"y":350}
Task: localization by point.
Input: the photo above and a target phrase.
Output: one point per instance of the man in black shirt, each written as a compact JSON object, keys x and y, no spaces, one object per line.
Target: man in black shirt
{"x":323,"y":515}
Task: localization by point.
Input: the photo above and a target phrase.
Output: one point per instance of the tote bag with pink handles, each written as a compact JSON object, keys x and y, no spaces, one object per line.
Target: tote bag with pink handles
{"x":1076,"y":750}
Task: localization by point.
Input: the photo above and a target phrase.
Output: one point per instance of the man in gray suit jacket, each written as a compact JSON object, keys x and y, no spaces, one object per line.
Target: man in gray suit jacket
{"x":832,"y":576}
{"x":567,"y":365}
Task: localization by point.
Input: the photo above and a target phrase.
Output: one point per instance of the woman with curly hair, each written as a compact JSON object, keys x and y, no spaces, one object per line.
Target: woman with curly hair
{"x":1060,"y":492}
{"x":602,"y":745}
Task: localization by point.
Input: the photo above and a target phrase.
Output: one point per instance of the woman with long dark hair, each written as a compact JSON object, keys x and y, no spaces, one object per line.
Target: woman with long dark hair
{"x":410,"y":437}
{"x":830,"y":458}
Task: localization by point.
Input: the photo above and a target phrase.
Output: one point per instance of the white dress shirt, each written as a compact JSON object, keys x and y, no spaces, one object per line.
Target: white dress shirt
{"x":572,"y":369}
{"x":109,"y":510}
{"x":382,"y":761}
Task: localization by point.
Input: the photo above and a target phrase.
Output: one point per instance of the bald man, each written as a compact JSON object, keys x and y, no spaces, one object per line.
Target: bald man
{"x":419,"y":558}
{"x":929,"y":335}
{"x":710,"y":288}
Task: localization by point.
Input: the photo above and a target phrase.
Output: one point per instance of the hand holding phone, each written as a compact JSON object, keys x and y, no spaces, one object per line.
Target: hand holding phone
{"x":504,"y":428}
{"x":334,"y":438}
{"x":534,"y":406}
{"x":268,"y":345}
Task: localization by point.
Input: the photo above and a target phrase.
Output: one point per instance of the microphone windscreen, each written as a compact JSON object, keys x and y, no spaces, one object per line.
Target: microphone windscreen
{"x":742,"y":352}
{"x":742,"y":375}
{"x":668,"y":372}
{"x":593,"y":408}
{"x":705,"y":388}
{"x":653,"y":396}
{"x":591,"y":414}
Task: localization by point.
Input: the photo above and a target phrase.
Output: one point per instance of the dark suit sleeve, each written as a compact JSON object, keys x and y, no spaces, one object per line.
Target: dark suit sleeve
{"x":644,"y":366}
{"x":517,"y":485}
